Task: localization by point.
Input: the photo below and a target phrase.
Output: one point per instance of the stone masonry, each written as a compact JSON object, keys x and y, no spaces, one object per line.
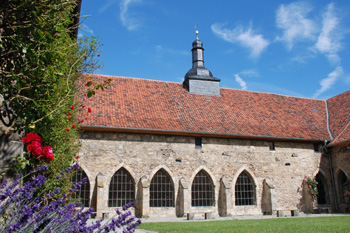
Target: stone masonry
{"x":277,"y":175}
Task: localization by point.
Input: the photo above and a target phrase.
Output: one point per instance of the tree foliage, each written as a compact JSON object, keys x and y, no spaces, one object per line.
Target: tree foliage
{"x":40,"y":70}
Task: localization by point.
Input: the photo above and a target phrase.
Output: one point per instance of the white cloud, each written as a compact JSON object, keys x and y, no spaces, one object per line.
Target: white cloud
{"x":292,"y":19}
{"x":329,"y":39}
{"x":241,"y":82}
{"x":84,"y":29}
{"x":106,"y":5}
{"x":255,"y":42}
{"x":328,"y":82}
{"x":249,"y":73}
{"x":128,"y":21}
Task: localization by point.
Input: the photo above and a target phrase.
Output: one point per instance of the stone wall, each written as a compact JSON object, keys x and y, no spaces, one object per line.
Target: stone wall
{"x":277,"y":175}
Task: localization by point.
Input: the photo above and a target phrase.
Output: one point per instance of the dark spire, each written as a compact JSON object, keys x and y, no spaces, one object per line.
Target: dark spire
{"x":199,"y":72}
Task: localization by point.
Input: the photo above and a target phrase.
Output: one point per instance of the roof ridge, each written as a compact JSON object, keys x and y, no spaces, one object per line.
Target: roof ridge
{"x":115,"y":76}
{"x":270,"y":93}
{"x":153,"y":80}
{"x":347,"y":125}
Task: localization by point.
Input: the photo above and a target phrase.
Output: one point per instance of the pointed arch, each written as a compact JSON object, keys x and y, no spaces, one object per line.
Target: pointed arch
{"x":245,"y":189}
{"x":121,"y":188}
{"x":83,"y":193}
{"x":211,"y":175}
{"x":162,"y":190}
{"x":323,"y":195}
{"x":202,"y":190}
{"x":341,"y":180}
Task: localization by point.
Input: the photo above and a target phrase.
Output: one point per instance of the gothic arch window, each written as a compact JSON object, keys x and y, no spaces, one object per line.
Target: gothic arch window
{"x":202,"y":190}
{"x":244,"y":190}
{"x":121,"y":189}
{"x":83,"y":194}
{"x":341,"y":185}
{"x":161,"y":190}
{"x":321,"y":199}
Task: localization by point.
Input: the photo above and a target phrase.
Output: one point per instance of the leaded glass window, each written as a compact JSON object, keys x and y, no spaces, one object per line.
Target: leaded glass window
{"x":121,"y":189}
{"x":161,"y":190}
{"x":202,"y":190}
{"x":244,"y":190}
{"x":83,"y":194}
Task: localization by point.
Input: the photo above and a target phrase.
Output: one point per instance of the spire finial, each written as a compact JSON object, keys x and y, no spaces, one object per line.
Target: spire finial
{"x":195,"y":26}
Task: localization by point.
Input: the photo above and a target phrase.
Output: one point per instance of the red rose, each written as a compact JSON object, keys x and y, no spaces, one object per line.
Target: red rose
{"x":77,"y":157}
{"x":84,"y":94}
{"x":72,"y":107}
{"x":31,"y":137}
{"x":83,"y":105}
{"x":92,"y":63}
{"x":35,"y":148}
{"x":98,"y":55}
{"x":73,"y":126}
{"x":89,"y":110}
{"x":48,"y":154}
{"x":79,"y":121}
{"x":67,"y":129}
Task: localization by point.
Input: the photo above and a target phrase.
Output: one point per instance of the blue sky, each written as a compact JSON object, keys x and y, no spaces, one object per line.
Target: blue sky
{"x":295,"y":48}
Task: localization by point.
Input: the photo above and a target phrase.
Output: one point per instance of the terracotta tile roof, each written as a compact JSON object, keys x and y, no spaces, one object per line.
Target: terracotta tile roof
{"x":131,"y":103}
{"x":339,"y":117}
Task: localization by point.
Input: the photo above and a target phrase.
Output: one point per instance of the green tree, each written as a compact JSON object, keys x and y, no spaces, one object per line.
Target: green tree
{"x":40,"y":75}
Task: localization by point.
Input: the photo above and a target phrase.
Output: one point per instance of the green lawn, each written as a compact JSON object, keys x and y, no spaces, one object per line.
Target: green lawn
{"x":308,"y":224}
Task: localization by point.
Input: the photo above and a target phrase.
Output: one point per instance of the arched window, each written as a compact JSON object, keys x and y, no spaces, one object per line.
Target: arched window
{"x":121,"y":189}
{"x":161,"y":190}
{"x":341,"y":186}
{"x":83,"y":194}
{"x":244,"y":190}
{"x":321,"y":199}
{"x":202,"y":190}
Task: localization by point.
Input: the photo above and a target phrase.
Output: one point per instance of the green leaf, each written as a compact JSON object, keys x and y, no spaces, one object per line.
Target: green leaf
{"x":89,"y":83}
{"x":36,"y":104}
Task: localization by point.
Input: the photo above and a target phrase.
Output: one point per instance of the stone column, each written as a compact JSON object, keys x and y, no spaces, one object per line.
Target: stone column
{"x":224,"y":203}
{"x":268,"y":204}
{"x":99,"y":195}
{"x":145,"y":197}
{"x":186,"y":196}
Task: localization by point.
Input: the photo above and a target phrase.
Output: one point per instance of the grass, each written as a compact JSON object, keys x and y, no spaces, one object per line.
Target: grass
{"x":285,"y":225}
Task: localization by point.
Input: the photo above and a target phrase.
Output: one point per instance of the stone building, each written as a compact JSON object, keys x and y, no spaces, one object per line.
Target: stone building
{"x":193,"y":147}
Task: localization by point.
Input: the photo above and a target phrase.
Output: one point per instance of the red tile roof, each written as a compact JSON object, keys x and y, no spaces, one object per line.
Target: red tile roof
{"x":339,"y":117}
{"x":157,"y":106}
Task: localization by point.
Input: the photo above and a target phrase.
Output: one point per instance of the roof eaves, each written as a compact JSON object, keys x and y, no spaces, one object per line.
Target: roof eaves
{"x":192,"y":133}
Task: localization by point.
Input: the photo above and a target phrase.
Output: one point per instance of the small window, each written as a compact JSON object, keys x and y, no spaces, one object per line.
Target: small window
{"x":272,"y":146}
{"x":198,"y":142}
{"x":317,"y":147}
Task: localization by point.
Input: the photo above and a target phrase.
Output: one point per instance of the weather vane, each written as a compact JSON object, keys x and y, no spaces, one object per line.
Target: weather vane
{"x":195,"y":26}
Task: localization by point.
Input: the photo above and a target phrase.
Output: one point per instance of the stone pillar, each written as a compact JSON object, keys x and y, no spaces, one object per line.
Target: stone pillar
{"x":145,"y":197}
{"x":224,"y":203}
{"x":186,"y":196}
{"x":268,"y":204}
{"x":100,"y":203}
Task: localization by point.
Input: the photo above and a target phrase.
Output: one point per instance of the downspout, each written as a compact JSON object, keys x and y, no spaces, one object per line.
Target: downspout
{"x":329,"y":155}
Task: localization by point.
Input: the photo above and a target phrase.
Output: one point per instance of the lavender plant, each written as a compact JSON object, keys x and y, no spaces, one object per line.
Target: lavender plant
{"x":22,"y":209}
